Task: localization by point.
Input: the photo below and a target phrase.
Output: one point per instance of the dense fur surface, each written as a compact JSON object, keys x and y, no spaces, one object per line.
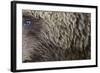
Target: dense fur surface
{"x":55,"y":36}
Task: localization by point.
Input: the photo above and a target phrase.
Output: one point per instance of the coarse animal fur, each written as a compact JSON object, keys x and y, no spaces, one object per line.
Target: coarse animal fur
{"x":56,"y":36}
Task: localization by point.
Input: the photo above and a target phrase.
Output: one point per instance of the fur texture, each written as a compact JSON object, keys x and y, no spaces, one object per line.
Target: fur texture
{"x":56,"y":36}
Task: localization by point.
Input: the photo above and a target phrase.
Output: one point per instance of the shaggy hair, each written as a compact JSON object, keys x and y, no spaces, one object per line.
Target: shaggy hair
{"x":55,"y":36}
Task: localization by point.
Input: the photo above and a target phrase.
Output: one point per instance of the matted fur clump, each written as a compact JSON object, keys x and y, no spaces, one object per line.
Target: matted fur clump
{"x":55,"y":36}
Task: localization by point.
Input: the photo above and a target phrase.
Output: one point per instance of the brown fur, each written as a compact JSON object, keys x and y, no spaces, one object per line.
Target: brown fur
{"x":56,"y":36}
